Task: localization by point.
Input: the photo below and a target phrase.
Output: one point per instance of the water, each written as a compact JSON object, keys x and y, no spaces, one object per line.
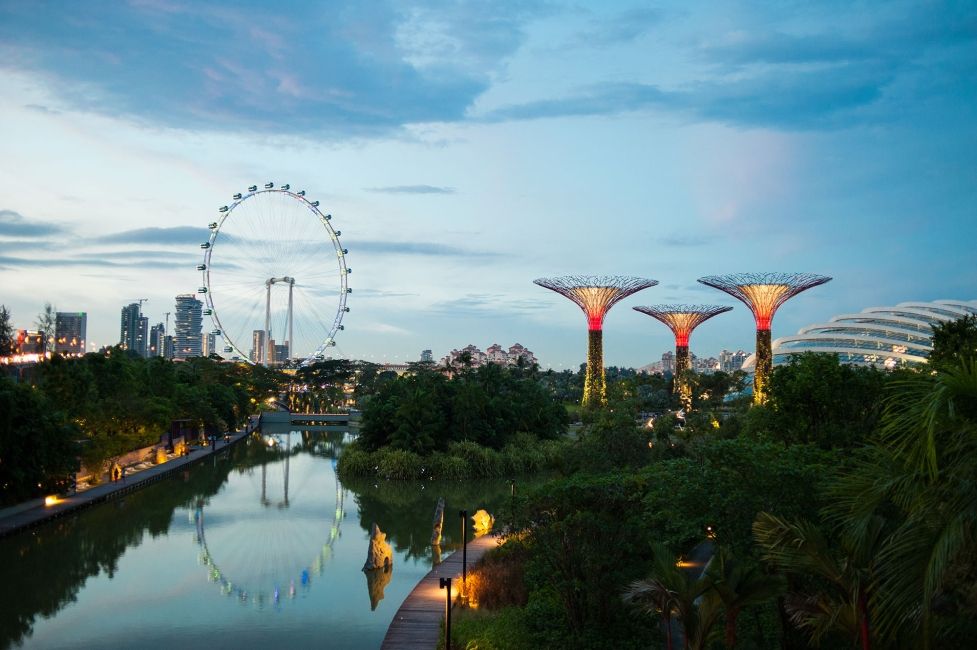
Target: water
{"x":261,"y":547}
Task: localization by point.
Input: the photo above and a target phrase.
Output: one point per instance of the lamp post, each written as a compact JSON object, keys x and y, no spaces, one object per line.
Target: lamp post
{"x":512,"y":502}
{"x":464,"y":547}
{"x":445,"y":583}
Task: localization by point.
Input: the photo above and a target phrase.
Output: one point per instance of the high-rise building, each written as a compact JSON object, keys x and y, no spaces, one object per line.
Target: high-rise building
{"x":209,"y":344}
{"x":169,"y":348}
{"x":70,"y":332}
{"x":157,"y":340}
{"x":731,"y":361}
{"x":258,"y":348}
{"x":187,"y":329}
{"x":427,"y":356}
{"x":668,"y":362}
{"x":134,"y":330}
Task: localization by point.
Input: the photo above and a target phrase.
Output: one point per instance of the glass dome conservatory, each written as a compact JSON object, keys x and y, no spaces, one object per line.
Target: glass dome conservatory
{"x":877,"y":336}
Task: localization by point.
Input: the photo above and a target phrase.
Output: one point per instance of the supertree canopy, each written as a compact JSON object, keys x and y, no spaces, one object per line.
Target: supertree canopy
{"x":763,"y":293}
{"x":595,"y":295}
{"x":682,"y":319}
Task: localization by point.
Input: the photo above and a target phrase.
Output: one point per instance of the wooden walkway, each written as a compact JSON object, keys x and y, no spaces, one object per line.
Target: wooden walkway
{"x":417,"y":624}
{"x":35,"y":512}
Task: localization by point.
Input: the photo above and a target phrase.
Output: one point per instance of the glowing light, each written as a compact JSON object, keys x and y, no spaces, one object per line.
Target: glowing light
{"x":51,"y":500}
{"x":595,"y":295}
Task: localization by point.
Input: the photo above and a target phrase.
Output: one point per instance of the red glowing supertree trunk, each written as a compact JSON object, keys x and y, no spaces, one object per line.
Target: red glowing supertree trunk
{"x":763,"y":293}
{"x":595,"y":295}
{"x":682,"y":319}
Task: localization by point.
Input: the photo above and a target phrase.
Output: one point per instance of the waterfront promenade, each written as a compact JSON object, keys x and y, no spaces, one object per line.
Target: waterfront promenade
{"x":30,"y":514}
{"x":417,"y":624}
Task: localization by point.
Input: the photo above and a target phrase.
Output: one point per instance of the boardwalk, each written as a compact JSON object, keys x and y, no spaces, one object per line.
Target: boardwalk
{"x":417,"y":623}
{"x":35,"y":512}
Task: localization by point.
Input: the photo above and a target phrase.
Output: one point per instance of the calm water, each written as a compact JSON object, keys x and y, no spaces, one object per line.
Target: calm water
{"x":262,"y":547}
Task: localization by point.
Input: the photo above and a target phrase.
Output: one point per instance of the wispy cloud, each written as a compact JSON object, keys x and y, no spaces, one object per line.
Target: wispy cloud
{"x":382,"y":328}
{"x":14,"y":224}
{"x":420,"y":248}
{"x":618,"y":29}
{"x":178,"y":235}
{"x":686,"y":241}
{"x":489,"y":305}
{"x":412,"y":189}
{"x":354,"y":70}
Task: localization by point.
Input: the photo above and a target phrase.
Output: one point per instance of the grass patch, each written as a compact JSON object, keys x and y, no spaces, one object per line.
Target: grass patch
{"x":479,"y":629}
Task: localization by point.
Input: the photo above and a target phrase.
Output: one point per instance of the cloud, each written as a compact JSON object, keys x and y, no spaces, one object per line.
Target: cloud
{"x":382,"y":328}
{"x":489,"y":305}
{"x":618,"y":29}
{"x":341,"y":69}
{"x":420,"y":248}
{"x":377,"y":293}
{"x":94,"y":260}
{"x":14,"y":224}
{"x":684,"y":241}
{"x":177,"y":235}
{"x":412,"y":189}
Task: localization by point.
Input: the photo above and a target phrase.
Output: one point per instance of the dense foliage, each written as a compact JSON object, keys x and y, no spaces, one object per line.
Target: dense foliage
{"x":103,"y":405}
{"x":841,"y":514}
{"x":425,"y":411}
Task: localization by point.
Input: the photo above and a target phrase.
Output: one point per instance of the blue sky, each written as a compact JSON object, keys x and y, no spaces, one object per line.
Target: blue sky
{"x":465,"y":149}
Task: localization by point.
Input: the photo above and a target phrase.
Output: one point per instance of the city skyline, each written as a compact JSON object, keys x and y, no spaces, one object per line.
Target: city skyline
{"x":524,"y":141}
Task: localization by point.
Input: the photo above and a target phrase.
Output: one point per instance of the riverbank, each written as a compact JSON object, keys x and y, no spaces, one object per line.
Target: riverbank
{"x":37,"y":511}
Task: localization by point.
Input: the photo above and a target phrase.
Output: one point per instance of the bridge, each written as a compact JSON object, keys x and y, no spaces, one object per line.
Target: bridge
{"x":311,"y":420}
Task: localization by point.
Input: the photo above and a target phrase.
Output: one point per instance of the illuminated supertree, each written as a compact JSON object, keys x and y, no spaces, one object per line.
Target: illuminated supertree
{"x":763,"y":293}
{"x":682,"y":319}
{"x":595,"y":295}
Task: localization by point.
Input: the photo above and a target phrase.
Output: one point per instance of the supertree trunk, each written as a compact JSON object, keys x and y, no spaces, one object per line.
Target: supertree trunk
{"x":764,"y":367}
{"x":594,"y":385}
{"x":680,"y":384}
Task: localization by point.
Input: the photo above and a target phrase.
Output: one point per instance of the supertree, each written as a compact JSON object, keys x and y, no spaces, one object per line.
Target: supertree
{"x":595,"y":295}
{"x":682,"y":319}
{"x":763,"y":293}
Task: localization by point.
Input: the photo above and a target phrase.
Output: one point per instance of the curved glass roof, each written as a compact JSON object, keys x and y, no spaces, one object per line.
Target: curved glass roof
{"x":878,"y":336}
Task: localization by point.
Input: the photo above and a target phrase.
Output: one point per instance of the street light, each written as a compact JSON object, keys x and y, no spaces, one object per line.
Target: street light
{"x":464,"y":548}
{"x":445,"y":583}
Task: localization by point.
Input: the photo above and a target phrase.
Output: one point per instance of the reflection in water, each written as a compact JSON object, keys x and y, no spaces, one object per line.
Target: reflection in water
{"x":121,"y":573}
{"x":376,"y":582}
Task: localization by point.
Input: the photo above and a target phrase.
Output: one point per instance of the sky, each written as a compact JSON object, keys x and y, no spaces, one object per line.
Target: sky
{"x":467,"y":148}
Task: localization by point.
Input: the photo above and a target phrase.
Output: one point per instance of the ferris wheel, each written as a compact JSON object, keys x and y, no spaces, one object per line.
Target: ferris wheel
{"x":275,"y":279}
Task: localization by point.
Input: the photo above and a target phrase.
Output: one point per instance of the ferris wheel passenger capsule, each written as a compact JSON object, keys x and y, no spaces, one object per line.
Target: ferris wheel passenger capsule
{"x":228,"y":348}
{"x":237,"y":197}
{"x":205,"y":245}
{"x":348,"y":270}
{"x":216,"y":332}
{"x":328,"y":217}
{"x":268,"y":186}
{"x":212,"y":225}
{"x":345,"y":251}
{"x":201,"y":267}
{"x":223,"y":208}
{"x":202,"y":290}
{"x":253,"y":188}
{"x":286,"y":186}
{"x":208,"y":312}
{"x":315,"y":204}
{"x":349,"y":289}
{"x":301,"y":192}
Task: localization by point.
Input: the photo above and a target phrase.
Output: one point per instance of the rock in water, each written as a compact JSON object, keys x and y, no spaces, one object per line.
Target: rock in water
{"x":380,"y":555}
{"x":376,"y":582}
{"x":438,"y":522}
{"x":483,"y":522}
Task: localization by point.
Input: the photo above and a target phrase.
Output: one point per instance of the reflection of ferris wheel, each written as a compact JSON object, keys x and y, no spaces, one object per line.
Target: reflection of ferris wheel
{"x":275,"y":277}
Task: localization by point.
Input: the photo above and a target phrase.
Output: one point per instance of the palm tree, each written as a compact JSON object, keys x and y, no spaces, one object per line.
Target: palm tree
{"x":739,"y":585}
{"x":669,"y":591}
{"x":848,"y":567}
{"x":923,"y":469}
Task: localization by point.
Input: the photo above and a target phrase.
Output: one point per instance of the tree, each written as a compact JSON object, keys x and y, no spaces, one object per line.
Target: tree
{"x":848,"y":567}
{"x":6,"y":332}
{"x":46,"y":324}
{"x":740,"y":584}
{"x":953,"y":341}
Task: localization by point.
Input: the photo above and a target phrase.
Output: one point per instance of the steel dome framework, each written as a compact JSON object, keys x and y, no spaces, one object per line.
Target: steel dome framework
{"x":595,"y":295}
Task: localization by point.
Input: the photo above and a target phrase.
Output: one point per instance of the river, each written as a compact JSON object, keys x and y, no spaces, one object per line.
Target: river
{"x":260,"y":546}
